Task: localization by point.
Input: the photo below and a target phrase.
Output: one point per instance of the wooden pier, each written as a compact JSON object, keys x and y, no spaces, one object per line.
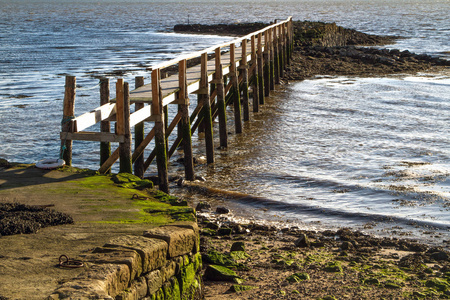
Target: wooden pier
{"x":220,"y":75}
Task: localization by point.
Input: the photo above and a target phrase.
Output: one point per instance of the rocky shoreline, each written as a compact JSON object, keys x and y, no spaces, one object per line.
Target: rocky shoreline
{"x":268,"y":262}
{"x":253,"y":261}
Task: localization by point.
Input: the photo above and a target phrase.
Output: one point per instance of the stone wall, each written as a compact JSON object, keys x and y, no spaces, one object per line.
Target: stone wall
{"x":163,"y":263}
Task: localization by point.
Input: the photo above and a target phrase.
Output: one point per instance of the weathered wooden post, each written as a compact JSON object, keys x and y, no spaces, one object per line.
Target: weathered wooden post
{"x":244,"y":71}
{"x":68,"y":115}
{"x":123,"y":125}
{"x":291,"y":38}
{"x":105,"y":126}
{"x":276,"y":57}
{"x":271,"y":60}
{"x":255,"y":82}
{"x":235,"y":90}
{"x":206,"y":109}
{"x":139,"y":133}
{"x":160,"y":136}
{"x":261,"y":77}
{"x":183,"y":100}
{"x":266,"y":63}
{"x":282,"y":49}
{"x":218,"y":80}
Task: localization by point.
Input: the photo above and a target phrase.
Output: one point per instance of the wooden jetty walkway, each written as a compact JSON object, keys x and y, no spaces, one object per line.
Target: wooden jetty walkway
{"x":220,"y":75}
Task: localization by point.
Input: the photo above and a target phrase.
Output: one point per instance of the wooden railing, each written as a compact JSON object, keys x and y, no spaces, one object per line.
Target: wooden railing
{"x":220,"y":75}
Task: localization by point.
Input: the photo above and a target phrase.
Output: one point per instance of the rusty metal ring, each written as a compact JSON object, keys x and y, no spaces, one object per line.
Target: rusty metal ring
{"x":65,"y":262}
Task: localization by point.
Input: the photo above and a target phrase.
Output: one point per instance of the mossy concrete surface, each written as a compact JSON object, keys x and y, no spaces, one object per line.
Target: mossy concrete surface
{"x":101,"y":209}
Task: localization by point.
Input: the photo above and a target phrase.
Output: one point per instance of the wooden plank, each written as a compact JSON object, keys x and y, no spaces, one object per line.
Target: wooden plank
{"x":99,"y":114}
{"x":140,"y":115}
{"x":93,"y":136}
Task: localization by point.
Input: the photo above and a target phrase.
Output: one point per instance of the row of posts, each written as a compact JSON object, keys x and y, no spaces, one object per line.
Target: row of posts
{"x":265,"y":68}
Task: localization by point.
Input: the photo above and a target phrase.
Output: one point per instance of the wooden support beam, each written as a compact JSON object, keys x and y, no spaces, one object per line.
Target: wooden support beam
{"x":138,"y":131}
{"x":103,"y":137}
{"x":221,"y":100}
{"x":171,"y":127}
{"x":236,"y":95}
{"x":106,"y":166}
{"x":185,"y":121}
{"x":125,"y":147}
{"x":244,"y":73}
{"x":260,"y":65}
{"x":204,"y":99}
{"x":120,"y":129}
{"x":68,"y":115}
{"x":105,"y":126}
{"x":160,"y":136}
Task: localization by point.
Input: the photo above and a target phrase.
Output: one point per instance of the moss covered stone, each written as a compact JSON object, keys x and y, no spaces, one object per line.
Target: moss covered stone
{"x":333,"y":266}
{"x":437,"y":284}
{"x":221,"y":273}
{"x":130,"y":181}
{"x":239,"y":255}
{"x":172,"y":289}
{"x":216,"y":258}
{"x":297,"y":277}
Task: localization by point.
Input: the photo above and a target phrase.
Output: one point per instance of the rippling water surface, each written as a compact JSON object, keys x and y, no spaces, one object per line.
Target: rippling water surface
{"x":366,"y":152}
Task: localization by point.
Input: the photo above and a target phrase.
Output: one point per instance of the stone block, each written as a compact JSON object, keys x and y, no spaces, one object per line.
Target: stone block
{"x":187,"y":224}
{"x":82,"y":289}
{"x":137,"y":290}
{"x":154,"y":281}
{"x":153,"y":252}
{"x":116,"y":278}
{"x":169,"y":270}
{"x":129,"y":257}
{"x":181,"y":240}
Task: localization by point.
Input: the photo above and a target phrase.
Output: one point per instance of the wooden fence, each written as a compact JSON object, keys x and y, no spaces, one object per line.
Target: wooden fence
{"x":220,"y":75}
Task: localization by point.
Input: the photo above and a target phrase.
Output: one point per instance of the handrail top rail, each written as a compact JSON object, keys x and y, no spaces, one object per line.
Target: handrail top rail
{"x":195,"y":54}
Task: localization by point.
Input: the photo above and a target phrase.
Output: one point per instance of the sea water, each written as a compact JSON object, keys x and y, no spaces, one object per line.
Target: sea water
{"x":370,"y":153}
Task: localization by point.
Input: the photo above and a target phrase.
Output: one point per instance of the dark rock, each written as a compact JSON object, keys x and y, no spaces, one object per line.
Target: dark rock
{"x":346,"y":245}
{"x":238,"y":246}
{"x":222,"y":210}
{"x":224,"y":231}
{"x":203,"y":206}
{"x":239,"y":229}
{"x":440,"y":255}
{"x":302,"y":241}
{"x":212,"y":225}
{"x":4,"y":163}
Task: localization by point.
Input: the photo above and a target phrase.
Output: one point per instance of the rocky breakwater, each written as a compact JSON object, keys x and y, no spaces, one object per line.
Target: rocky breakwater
{"x":163,"y":263}
{"x":327,"y":49}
